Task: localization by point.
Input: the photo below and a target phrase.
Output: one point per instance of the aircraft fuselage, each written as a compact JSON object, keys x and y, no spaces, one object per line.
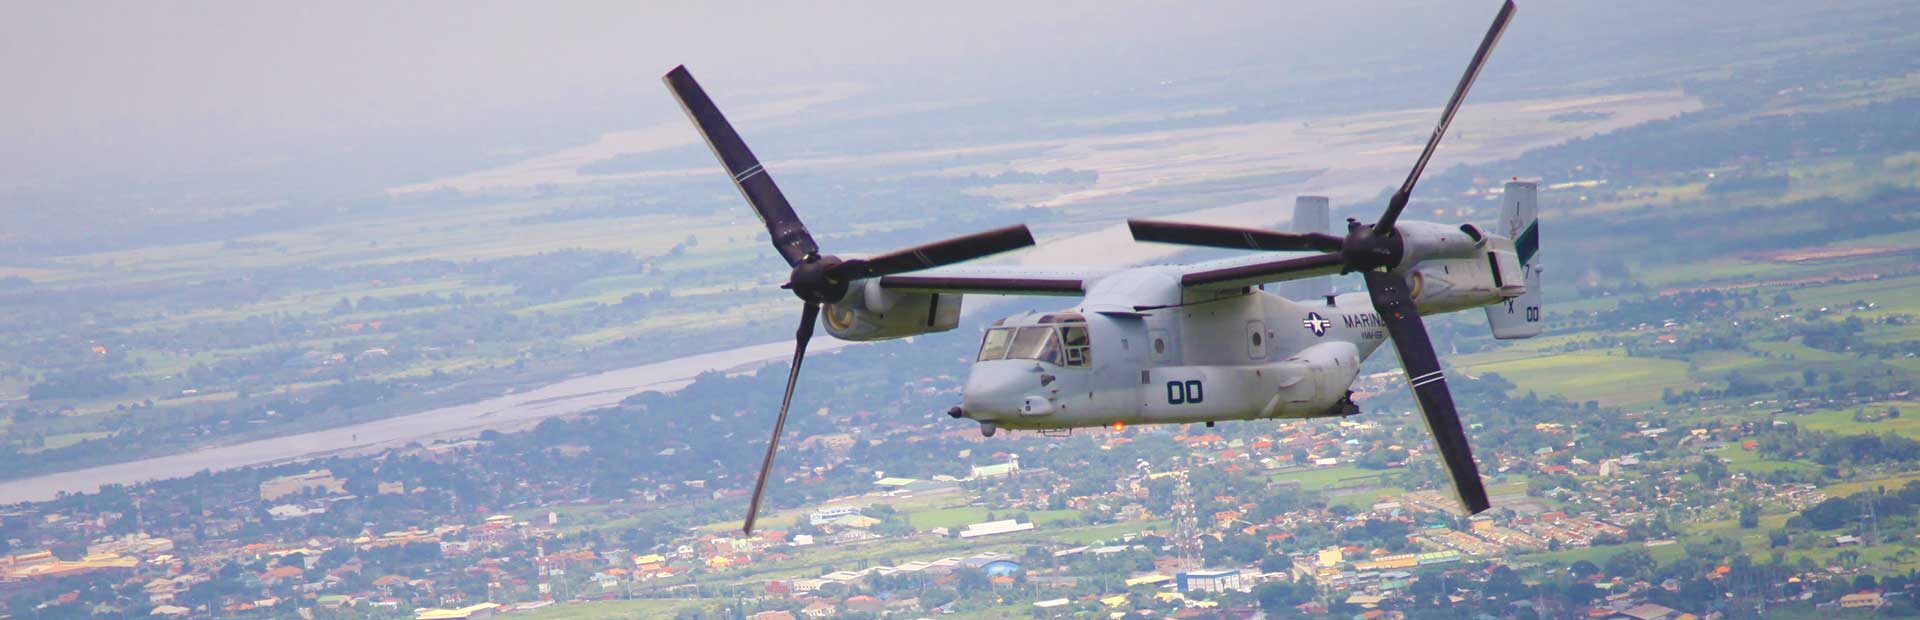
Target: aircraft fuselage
{"x":1249,"y":356}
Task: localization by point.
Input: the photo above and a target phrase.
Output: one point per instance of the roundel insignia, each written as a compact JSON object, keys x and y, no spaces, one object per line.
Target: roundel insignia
{"x":1316,"y":324}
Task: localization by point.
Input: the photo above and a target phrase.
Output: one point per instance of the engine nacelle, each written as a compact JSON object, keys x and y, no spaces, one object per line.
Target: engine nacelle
{"x":870,"y":312}
{"x":1449,"y":285}
{"x":1451,"y":268}
{"x":1424,"y":241}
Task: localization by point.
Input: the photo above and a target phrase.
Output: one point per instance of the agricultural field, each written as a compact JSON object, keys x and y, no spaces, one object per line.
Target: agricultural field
{"x":1866,"y":419}
{"x":1750,"y":461}
{"x":1328,"y":477}
{"x":1608,"y":376}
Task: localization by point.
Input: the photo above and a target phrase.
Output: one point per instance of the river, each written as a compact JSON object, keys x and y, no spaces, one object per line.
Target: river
{"x":505,"y":413}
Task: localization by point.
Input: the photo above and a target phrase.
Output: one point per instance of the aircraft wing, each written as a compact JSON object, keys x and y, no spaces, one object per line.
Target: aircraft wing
{"x":1256,"y":270}
{"x":1222,"y":274}
{"x":995,"y":280}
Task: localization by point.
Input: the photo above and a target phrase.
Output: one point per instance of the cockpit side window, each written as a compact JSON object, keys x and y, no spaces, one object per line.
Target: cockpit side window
{"x":994,"y":346}
{"x":1079,"y":349}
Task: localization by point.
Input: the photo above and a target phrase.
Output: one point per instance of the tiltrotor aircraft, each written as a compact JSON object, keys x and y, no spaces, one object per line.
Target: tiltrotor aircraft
{"x":1174,"y":343}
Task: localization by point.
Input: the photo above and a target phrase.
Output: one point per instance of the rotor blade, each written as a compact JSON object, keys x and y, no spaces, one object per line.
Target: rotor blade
{"x":1395,"y":305}
{"x":1399,"y":201}
{"x":1232,"y":237}
{"x":808,"y":314}
{"x":943,"y":252}
{"x":986,"y":285}
{"x":790,"y":236}
{"x":1264,"y":272}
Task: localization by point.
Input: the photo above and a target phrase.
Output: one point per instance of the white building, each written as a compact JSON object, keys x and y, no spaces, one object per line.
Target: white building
{"x":1006,"y":526}
{"x":1220,"y":580}
{"x":830,"y":514}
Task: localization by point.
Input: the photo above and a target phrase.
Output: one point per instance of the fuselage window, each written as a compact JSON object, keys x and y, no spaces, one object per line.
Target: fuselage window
{"x":1079,"y":347}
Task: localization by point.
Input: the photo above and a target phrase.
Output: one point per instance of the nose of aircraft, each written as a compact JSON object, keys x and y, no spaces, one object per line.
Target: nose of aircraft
{"x":1001,"y":389}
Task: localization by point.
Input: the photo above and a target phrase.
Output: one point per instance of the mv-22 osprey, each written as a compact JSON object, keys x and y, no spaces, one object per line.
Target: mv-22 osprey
{"x":1170,"y":344}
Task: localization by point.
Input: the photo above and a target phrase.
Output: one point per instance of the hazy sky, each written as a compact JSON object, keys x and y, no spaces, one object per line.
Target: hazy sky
{"x":95,"y":83}
{"x":164,"y":66}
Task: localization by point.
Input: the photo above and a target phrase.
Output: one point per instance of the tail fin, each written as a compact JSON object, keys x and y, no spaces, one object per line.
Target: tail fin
{"x":1311,"y":214}
{"x":1519,"y":317}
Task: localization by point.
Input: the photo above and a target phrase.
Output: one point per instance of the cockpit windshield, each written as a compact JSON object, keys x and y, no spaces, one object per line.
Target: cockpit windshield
{"x":1060,"y":345}
{"x":1035,"y":343}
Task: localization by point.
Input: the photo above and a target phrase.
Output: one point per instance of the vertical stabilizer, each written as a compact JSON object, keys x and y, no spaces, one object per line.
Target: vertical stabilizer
{"x":1520,"y":317}
{"x":1311,"y":214}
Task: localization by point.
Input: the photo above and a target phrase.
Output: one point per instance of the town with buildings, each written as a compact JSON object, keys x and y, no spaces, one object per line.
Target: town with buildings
{"x":1291,"y":518}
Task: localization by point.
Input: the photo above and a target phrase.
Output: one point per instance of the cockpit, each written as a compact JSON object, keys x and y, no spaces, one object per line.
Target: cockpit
{"x":1059,"y":338}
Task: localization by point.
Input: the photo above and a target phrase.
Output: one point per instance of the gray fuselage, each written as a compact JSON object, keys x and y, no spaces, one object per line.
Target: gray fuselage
{"x":1242,"y":355}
